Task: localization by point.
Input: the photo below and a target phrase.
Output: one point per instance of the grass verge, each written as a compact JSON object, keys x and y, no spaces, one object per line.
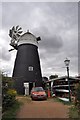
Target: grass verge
{"x":73,"y":112}
{"x":24,"y":99}
{"x":64,"y":102}
{"x":10,"y":114}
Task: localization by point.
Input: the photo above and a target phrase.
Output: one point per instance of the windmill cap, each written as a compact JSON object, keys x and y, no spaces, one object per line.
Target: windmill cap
{"x":28,"y":38}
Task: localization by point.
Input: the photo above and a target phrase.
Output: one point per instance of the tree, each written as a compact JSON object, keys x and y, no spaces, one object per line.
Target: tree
{"x":44,"y":79}
{"x":53,"y":76}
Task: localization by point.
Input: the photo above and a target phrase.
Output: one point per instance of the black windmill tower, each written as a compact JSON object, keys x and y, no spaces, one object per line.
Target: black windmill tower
{"x":27,"y":63}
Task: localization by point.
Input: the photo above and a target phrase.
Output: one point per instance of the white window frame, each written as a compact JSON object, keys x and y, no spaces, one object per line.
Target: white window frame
{"x":30,"y":68}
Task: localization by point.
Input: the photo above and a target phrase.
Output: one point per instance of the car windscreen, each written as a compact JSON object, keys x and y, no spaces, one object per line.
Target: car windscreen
{"x":37,"y":89}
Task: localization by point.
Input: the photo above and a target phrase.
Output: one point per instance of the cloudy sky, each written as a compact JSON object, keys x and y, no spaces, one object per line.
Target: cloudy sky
{"x":57,"y":25}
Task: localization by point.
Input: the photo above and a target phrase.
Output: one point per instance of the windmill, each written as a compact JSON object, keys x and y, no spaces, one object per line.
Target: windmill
{"x":15,"y":34}
{"x":27,"y":69}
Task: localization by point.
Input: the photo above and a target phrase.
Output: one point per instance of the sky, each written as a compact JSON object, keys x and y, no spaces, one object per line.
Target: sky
{"x":57,"y":25}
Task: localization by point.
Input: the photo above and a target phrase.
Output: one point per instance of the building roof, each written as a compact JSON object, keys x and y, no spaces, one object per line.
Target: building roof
{"x":63,"y":78}
{"x":28,"y":34}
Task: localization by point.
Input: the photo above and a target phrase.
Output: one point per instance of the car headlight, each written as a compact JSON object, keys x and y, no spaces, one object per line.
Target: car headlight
{"x":34,"y":94}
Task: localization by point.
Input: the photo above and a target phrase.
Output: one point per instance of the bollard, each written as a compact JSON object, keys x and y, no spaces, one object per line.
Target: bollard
{"x":48,"y":93}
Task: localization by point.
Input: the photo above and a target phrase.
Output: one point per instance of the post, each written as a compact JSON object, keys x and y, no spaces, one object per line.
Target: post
{"x":68,"y":83}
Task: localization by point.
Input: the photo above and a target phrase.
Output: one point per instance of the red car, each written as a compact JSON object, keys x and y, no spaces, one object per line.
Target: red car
{"x":38,"y":93}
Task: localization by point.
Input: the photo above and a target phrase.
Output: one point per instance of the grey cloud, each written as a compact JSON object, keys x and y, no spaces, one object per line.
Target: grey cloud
{"x":79,"y":37}
{"x":52,"y":22}
{"x":25,"y":13}
{"x":5,"y":55}
{"x":4,"y":46}
{"x":0,"y":15}
{"x":51,"y":42}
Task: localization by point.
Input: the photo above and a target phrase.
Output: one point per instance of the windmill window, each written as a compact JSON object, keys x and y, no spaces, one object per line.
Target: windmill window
{"x":30,"y":68}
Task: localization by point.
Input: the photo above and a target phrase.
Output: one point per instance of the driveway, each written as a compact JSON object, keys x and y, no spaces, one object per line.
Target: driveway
{"x":43,"y":109}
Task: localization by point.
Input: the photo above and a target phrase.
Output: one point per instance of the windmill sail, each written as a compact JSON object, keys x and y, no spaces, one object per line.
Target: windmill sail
{"x":15,"y":34}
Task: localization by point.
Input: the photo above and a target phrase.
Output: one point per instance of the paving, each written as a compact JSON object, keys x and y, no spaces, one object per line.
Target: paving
{"x":43,"y":109}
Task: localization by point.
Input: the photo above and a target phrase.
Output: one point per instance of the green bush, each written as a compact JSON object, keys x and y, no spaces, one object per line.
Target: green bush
{"x":12,"y":92}
{"x":78,"y":92}
{"x":10,"y":114}
{"x":77,"y":97}
{"x":8,"y":99}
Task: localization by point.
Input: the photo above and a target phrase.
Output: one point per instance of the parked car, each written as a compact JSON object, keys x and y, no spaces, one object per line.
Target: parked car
{"x":38,"y":93}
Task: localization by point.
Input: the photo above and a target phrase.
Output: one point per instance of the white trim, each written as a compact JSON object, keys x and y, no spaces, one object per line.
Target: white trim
{"x":62,"y":86}
{"x":62,"y":90}
{"x":64,"y":99}
{"x":27,"y":42}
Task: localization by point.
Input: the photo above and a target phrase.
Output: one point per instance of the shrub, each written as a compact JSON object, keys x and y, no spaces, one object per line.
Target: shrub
{"x":8,"y":99}
{"x":12,"y":92}
{"x":77,"y":93}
